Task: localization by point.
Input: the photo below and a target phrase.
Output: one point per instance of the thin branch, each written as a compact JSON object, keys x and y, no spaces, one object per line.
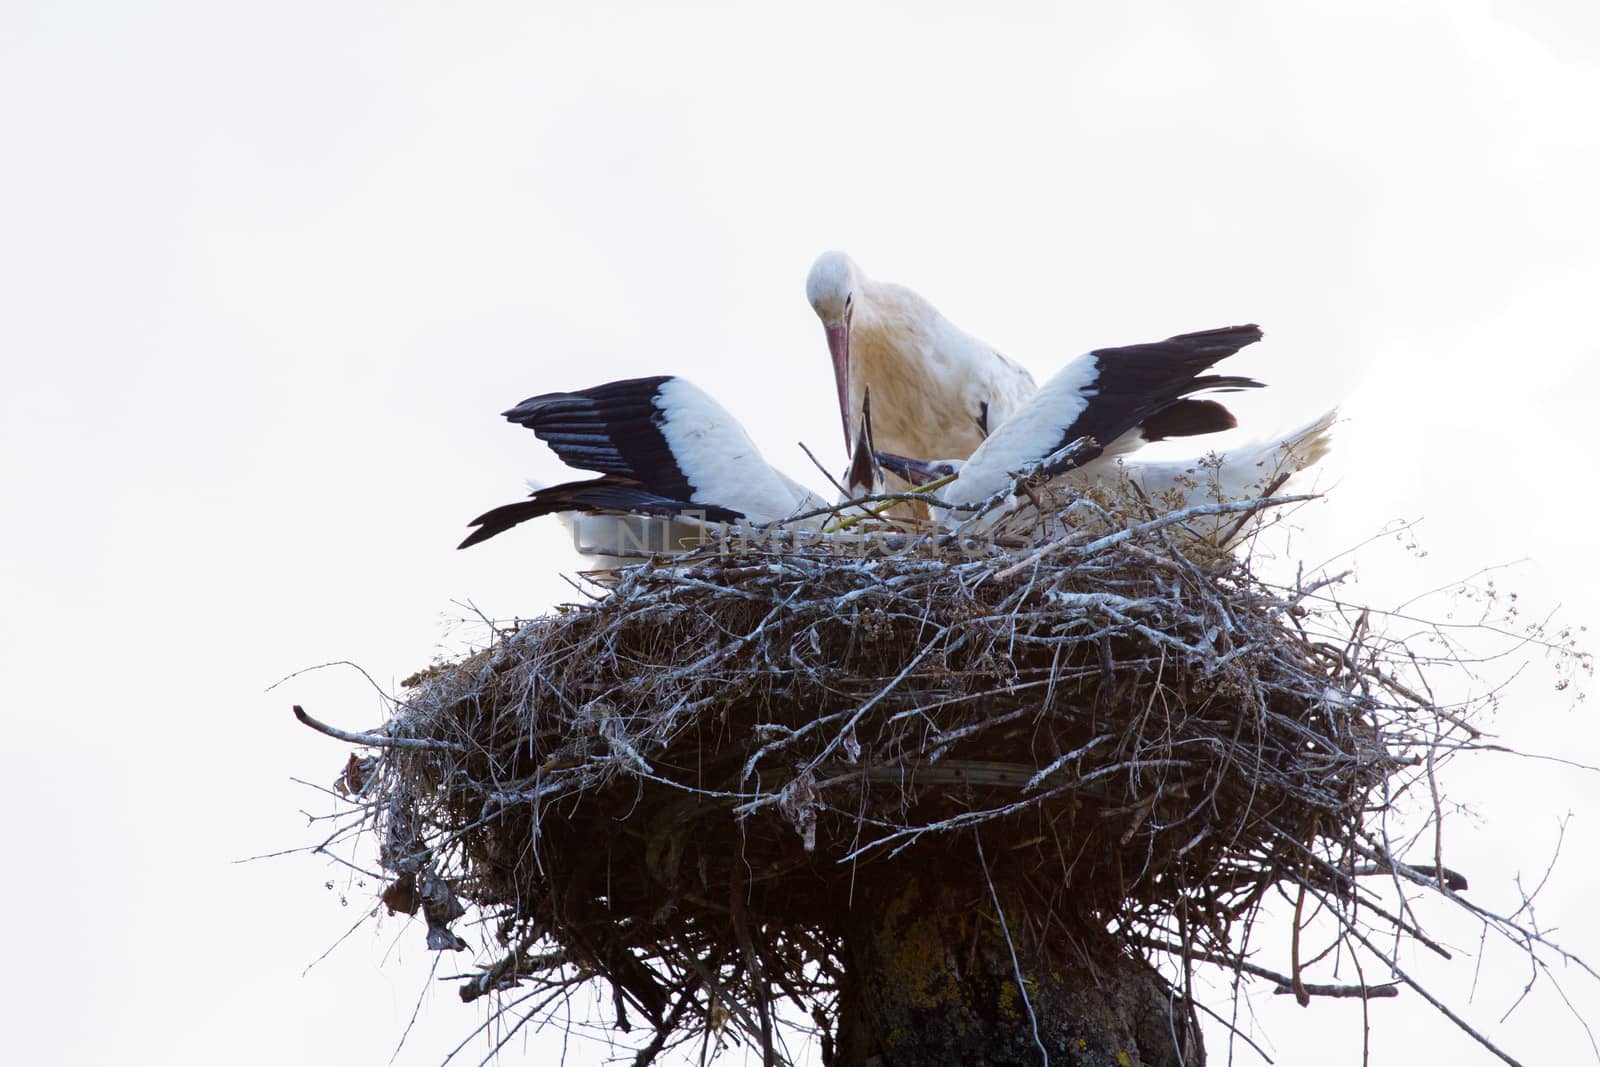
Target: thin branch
{"x":375,"y":740}
{"x":1016,"y":967}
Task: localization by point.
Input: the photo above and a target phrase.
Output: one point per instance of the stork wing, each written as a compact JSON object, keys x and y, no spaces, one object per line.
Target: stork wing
{"x":607,"y":493}
{"x":1133,"y":384}
{"x":615,"y":428}
{"x":1105,"y":394}
{"x":668,"y":437}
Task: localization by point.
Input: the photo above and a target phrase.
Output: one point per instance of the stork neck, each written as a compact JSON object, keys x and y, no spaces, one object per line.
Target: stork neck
{"x":888,"y":320}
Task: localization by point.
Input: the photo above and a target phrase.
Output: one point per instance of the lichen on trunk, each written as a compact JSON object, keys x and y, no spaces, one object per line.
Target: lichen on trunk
{"x":933,"y":980}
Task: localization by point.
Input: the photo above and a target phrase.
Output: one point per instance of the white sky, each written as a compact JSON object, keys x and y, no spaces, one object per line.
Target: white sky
{"x":270,"y":271}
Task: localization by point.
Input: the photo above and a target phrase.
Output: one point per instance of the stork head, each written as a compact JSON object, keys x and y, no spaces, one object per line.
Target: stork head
{"x":831,"y":288}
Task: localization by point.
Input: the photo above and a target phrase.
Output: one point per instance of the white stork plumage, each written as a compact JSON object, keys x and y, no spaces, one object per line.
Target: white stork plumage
{"x":1258,"y":469}
{"x":1118,"y":397}
{"x":937,"y":390}
{"x":662,"y":447}
{"x":1253,"y":469}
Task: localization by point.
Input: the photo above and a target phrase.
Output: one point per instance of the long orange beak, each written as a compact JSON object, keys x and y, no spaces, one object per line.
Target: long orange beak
{"x":839,"y":350}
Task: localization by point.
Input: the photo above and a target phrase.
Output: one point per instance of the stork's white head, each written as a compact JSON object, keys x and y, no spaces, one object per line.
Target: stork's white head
{"x":831,"y":288}
{"x":831,"y":285}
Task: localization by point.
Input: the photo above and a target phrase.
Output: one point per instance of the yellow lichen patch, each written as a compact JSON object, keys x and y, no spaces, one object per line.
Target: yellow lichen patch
{"x":916,"y":963}
{"x":1008,"y":1001}
{"x":1124,"y":1060}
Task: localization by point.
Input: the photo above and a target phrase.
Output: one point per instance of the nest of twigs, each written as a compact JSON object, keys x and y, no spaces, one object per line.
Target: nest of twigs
{"x":1142,"y":728}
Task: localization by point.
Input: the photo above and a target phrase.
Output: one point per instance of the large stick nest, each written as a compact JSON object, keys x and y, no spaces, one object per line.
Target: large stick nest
{"x":675,"y":786}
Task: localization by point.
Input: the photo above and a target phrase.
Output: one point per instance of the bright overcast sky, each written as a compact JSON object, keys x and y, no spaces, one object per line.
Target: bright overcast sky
{"x":271,"y":270}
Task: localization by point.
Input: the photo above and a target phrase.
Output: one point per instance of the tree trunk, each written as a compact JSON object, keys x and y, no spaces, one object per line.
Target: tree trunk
{"x":931,"y":981}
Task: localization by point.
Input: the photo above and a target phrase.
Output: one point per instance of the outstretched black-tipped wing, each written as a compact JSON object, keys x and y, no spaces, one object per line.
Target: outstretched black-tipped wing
{"x":615,"y":428}
{"x":1108,"y":394}
{"x":1147,"y":386}
{"x":662,"y":446}
{"x":606,"y":493}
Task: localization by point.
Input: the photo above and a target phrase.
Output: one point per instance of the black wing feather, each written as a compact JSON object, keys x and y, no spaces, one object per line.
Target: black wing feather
{"x":606,"y":493}
{"x":1137,"y":385}
{"x":613,"y":428}
{"x":1187,"y":418}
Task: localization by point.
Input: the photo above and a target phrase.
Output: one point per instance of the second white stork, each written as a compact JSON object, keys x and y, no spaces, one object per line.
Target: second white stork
{"x":1119,"y":398}
{"x":661,"y":446}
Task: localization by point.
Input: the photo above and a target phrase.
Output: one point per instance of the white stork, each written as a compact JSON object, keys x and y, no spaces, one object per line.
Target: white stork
{"x":662,"y":447}
{"x":938,"y":391}
{"x":1120,"y":398}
